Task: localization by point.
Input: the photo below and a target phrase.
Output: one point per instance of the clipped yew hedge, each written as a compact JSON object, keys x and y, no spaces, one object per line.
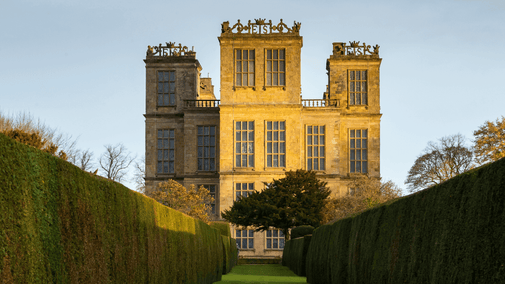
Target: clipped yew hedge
{"x":59,"y":224}
{"x":294,"y":254}
{"x":450,"y":233}
{"x":230,"y":250}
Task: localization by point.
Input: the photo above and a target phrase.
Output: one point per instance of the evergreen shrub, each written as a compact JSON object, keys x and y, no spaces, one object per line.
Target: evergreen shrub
{"x":301,"y":231}
{"x":63,"y":225}
{"x":449,"y":233}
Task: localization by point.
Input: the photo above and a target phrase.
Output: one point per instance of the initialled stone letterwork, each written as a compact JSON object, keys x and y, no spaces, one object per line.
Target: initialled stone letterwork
{"x":355,"y":49}
{"x":170,"y":49}
{"x":260,"y":26}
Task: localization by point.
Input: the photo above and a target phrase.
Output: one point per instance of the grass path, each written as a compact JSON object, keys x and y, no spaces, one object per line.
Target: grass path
{"x":261,"y":274}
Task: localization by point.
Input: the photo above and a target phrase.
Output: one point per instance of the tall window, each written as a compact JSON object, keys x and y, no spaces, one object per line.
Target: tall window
{"x":358,"y":150}
{"x":166,"y":88}
{"x":315,"y":147}
{"x":357,"y":87}
{"x":244,"y":64}
{"x":276,"y":67}
{"x":244,"y":239}
{"x":243,"y":189}
{"x":212,"y":191}
{"x":275,"y":239}
{"x":206,"y":148}
{"x":244,"y":144}
{"x":166,"y":150}
{"x":276,"y":143}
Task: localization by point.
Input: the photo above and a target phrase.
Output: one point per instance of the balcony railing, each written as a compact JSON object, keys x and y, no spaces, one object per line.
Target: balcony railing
{"x":320,"y":103}
{"x":201,"y":103}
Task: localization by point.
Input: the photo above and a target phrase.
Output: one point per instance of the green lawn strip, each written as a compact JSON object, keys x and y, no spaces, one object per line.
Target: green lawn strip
{"x":263,"y":273}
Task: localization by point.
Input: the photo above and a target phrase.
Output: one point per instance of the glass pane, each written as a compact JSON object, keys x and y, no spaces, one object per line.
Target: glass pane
{"x":159,"y":167}
{"x":244,"y":82}
{"x":275,"y":233}
{"x":275,"y":82}
{"x":206,"y":164}
{"x":281,"y":243}
{"x":244,"y":243}
{"x":351,"y":86}
{"x":281,"y":136}
{"x":309,"y":140}
{"x":212,"y":164}
{"x":358,"y":155}
{"x":212,"y":141}
{"x":282,"y":147}
{"x":358,"y":143}
{"x":322,"y":164}
{"x":316,"y":151}
{"x":237,"y":161}
{"x":246,"y":53}
{"x":269,"y":160}
{"x":275,"y":52}
{"x":200,"y":140}
{"x":172,"y":76}
{"x":281,"y":54}
{"x":309,"y":164}
{"x":160,"y":76}
{"x":251,"y":125}
{"x":363,"y":75}
{"x":269,"y":66}
{"x":282,"y":81}
{"x":321,"y":140}
{"x":165,"y":154}
{"x":251,"y":243}
{"x":276,"y":136}
{"x":364,"y":170}
{"x":269,"y":147}
{"x":251,"y":79}
{"x":244,"y":135}
{"x":165,"y":167}
{"x":165,"y":101}
{"x":251,"y":161}
{"x":358,"y":77}
{"x":276,"y":243}
{"x":275,"y":160}
{"x":364,"y":98}
{"x":269,"y":233}
{"x":353,"y":156}
{"x":212,"y":152}
{"x":309,"y":151}
{"x":351,"y":75}
{"x":251,"y":136}
{"x":171,"y":155}
{"x":364,"y":143}
{"x":212,"y":130}
{"x":239,"y":80}
{"x":172,"y":144}
{"x":239,"y":54}
{"x":282,"y":161}
{"x":282,"y":66}
{"x":269,"y":243}
{"x":364,"y":154}
{"x":250,"y":148}
{"x":244,"y":160}
{"x":353,"y":144}
{"x":352,"y":167}
{"x":172,"y":88}
{"x":358,"y":99}
{"x":358,"y":167}
{"x":251,"y":54}
{"x":275,"y":67}
{"x":237,"y":125}
{"x":316,"y":164}
{"x":160,"y":155}
{"x":251,"y":233}
{"x":269,"y":54}
{"x":200,"y":164}
{"x":160,"y":143}
{"x":171,"y":167}
{"x":269,"y":79}
{"x":352,"y":133}
{"x":244,"y":125}
{"x":321,"y":151}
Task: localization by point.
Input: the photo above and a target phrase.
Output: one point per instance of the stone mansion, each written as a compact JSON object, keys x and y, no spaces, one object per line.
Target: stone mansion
{"x":261,"y":126}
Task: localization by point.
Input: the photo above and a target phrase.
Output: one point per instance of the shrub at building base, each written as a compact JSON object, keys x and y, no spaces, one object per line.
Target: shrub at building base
{"x":295,"y":254}
{"x":450,"y":233}
{"x":63,"y":225}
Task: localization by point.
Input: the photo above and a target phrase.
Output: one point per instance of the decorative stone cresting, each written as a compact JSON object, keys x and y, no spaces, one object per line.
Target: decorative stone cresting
{"x":355,"y":49}
{"x":260,"y":27}
{"x":170,"y":49}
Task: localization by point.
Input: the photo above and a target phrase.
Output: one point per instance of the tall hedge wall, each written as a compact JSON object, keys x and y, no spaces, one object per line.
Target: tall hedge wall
{"x":450,"y":233}
{"x":59,"y":224}
{"x":294,"y":255}
{"x":230,"y":249}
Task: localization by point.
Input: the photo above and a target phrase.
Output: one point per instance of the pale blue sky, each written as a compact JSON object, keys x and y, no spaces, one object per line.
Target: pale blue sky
{"x":78,"y":65}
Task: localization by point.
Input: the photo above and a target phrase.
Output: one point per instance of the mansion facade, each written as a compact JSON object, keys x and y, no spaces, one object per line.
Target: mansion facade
{"x":261,"y":126}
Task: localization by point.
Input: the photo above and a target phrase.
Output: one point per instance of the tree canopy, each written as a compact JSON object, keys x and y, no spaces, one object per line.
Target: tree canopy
{"x":366,"y":192}
{"x":490,"y":141}
{"x":440,"y":162}
{"x":295,"y":200}
{"x":191,"y":201}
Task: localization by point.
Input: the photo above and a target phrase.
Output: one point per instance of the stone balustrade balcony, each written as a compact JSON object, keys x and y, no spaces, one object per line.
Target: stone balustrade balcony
{"x":320,"y":103}
{"x":201,"y":103}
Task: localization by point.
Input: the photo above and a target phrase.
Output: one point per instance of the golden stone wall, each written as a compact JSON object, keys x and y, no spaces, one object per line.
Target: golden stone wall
{"x":260,"y":103}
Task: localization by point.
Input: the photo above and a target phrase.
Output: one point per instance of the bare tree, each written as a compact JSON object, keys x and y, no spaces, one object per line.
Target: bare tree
{"x":490,"y":141}
{"x":26,"y":123}
{"x":365,"y":192}
{"x":115,"y":161}
{"x":82,"y":159}
{"x":139,"y":175}
{"x":440,"y":162}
